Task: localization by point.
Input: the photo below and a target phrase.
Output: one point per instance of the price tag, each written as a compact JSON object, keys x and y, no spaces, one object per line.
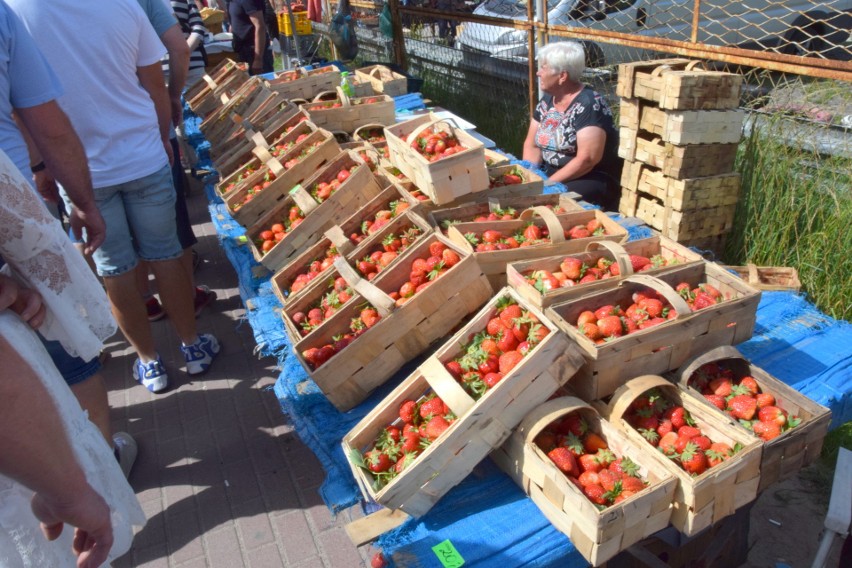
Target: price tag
{"x":448,"y":555}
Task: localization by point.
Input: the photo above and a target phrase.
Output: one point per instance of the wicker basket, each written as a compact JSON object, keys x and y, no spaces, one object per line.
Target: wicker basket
{"x":383,"y":80}
{"x":597,"y":534}
{"x":353,"y":113}
{"x":466,"y":213}
{"x":482,"y":424}
{"x":792,"y":450}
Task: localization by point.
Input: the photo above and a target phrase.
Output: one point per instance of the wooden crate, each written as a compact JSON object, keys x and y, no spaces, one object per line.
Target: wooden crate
{"x":663,"y":347}
{"x":683,"y":226}
{"x":402,"y":334}
{"x":769,"y":277}
{"x":221,"y":94}
{"x":239,"y":102}
{"x":252,"y":170}
{"x":792,"y":450}
{"x":354,"y":112}
{"x":466,"y":213}
{"x":213,"y":80}
{"x":243,"y":127}
{"x":683,"y":126}
{"x":493,"y":263}
{"x":678,"y":84}
{"x":674,"y":253}
{"x":701,"y":501}
{"x":384,"y":80}
{"x":482,"y":424}
{"x":303,"y":84}
{"x":682,"y":194}
{"x":444,"y":180}
{"x":356,"y":191}
{"x":313,"y":293}
{"x":678,"y":162}
{"x":597,"y":534}
{"x":272,"y":134}
{"x":248,"y":214}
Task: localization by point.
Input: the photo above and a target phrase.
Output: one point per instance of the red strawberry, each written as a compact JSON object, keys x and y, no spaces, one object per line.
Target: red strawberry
{"x":432,"y":407}
{"x":772,"y":414}
{"x":688,"y":431}
{"x":765,"y":399}
{"x":590,"y":462}
{"x":681,"y":443}
{"x":411,"y":441}
{"x":450,"y":258}
{"x":632,"y":484}
{"x":575,"y":424}
{"x":572,"y":268}
{"x":378,"y":461}
{"x":625,"y":466}
{"x":406,"y":411}
{"x":721,"y":386}
{"x":665,"y":427}
{"x":509,"y":314}
{"x":742,"y":406}
{"x":608,"y":479}
{"x":455,"y":369}
{"x":546,"y":440}
{"x":592,"y":443}
{"x":693,"y":460}
{"x":667,"y":443}
{"x":595,"y":493}
{"x":509,"y":360}
{"x":703,"y":442}
{"x":718,"y":453}
{"x":639,"y":262}
{"x":750,"y":384}
{"x":677,"y":415}
{"x":717,"y":400}
{"x":495,"y":326}
{"x":565,"y":461}
{"x":435,"y":427}
{"x":611,"y":326}
{"x":766,"y":430}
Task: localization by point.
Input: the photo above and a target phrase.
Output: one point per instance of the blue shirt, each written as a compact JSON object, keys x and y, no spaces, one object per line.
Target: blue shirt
{"x":26,"y":80}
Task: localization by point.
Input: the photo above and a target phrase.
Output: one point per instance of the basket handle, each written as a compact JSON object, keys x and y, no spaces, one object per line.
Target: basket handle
{"x":622,"y":258}
{"x":374,"y":72}
{"x":695,"y":63}
{"x":630,"y":391}
{"x":210,"y":82}
{"x":658,"y":70}
{"x":343,"y":245}
{"x":544,"y":414}
{"x":319,"y":96}
{"x":357,"y":133}
{"x":299,"y":101}
{"x":686,"y":371}
{"x":446,"y":387}
{"x":678,"y":303}
{"x":265,"y":157}
{"x":493,"y":204}
{"x":383,"y":303}
{"x":303,"y":199}
{"x":449,"y":120}
{"x":557,"y":232}
{"x":753,"y":277}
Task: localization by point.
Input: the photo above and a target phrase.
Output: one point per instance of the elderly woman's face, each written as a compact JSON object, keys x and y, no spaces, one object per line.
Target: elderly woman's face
{"x":547,"y":77}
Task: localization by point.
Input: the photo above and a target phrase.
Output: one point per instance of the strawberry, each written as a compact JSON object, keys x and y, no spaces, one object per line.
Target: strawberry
{"x":587,"y":316}
{"x":639,"y":262}
{"x":588,"y":478}
{"x":693,"y":460}
{"x":718,"y":453}
{"x":509,"y":360}
{"x":572,"y":268}
{"x":717,"y":400}
{"x":565,"y":461}
{"x":435,"y":427}
{"x":750,"y":384}
{"x":455,"y":369}
{"x":625,"y":466}
{"x":608,"y":479}
{"x":681,"y":442}
{"x":546,"y":440}
{"x":766,"y":430}
{"x":772,"y":414}
{"x":665,"y":427}
{"x":632,"y":484}
{"x":509,"y":314}
{"x":592,"y":443}
{"x":611,"y":326}
{"x":721,"y":386}
{"x":742,"y":406}
{"x":378,"y":461}
{"x":575,"y":424}
{"x":667,"y":443}
{"x":688,"y":431}
{"x":432,"y":407}
{"x":590,"y":462}
{"x":436,"y":248}
{"x":595,"y":493}
{"x":764,"y":399}
{"x":450,"y":258}
{"x":608,"y":310}
{"x":495,"y":326}
{"x":407,"y":410}
{"x":411,"y":440}
{"x":677,"y":415}
{"x":703,"y":442}
{"x":370,"y":317}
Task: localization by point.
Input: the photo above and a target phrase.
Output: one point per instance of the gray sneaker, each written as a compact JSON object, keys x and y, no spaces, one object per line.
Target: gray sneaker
{"x":126,"y":451}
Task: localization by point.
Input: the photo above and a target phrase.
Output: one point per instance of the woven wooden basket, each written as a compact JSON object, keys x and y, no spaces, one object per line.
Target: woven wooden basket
{"x":671,"y":251}
{"x":482,"y":424}
{"x":303,"y":84}
{"x":679,"y":84}
{"x":213,"y":81}
{"x":597,"y":535}
{"x":773,"y":278}
{"x":353,"y":113}
{"x":701,"y":501}
{"x":243,"y":128}
{"x":384,"y":80}
{"x":443,"y":217}
{"x":402,"y":334}
{"x":792,"y":450}
{"x":663,"y":347}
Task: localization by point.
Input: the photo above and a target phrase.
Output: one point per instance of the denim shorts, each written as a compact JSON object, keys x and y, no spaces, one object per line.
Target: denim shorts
{"x":140,"y":221}
{"x":73,"y":369}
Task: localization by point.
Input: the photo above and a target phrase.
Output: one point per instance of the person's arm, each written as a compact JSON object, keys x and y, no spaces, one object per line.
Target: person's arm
{"x":25,"y":302}
{"x":259,"y":40}
{"x":151,"y":79}
{"x":54,"y":140}
{"x":42,"y":460}
{"x":197,"y":28}
{"x":178,"y":50}
{"x":591,"y":142}
{"x":532,"y":153}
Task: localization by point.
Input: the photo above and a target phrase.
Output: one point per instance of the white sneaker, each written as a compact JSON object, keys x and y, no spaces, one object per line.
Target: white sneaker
{"x":200,"y":354}
{"x":126,"y":451}
{"x":152,"y":374}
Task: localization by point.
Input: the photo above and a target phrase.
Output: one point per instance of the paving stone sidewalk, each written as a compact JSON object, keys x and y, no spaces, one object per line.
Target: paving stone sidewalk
{"x":222,"y":476}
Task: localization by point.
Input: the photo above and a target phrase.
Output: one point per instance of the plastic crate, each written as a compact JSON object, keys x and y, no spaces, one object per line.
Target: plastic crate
{"x":303,"y":24}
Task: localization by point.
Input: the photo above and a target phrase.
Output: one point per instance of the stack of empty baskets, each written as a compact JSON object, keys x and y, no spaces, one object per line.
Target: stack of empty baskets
{"x":680,"y":127}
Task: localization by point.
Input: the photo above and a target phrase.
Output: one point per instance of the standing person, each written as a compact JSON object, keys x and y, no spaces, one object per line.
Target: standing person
{"x":192,"y":25}
{"x":251,"y":43}
{"x":118,"y":103}
{"x":572,"y":132}
{"x":55,"y":468}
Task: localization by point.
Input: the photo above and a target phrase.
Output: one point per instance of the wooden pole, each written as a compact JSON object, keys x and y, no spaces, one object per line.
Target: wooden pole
{"x":399,"y":57}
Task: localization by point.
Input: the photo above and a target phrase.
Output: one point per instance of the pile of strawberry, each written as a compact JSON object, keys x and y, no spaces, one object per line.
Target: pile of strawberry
{"x":315,"y":357}
{"x":743,"y":399}
{"x":324,"y":189}
{"x":283,"y":147}
{"x":338,"y":293}
{"x":515,"y":176}
{"x":426,"y":270}
{"x":366,"y":101}
{"x":372,"y":135}
{"x":419,"y":195}
{"x":492,"y":353}
{"x":380,"y":219}
{"x":420,"y":423}
{"x":243,"y":176}
{"x":531,"y":235}
{"x":315,"y":268}
{"x":269,"y":176}
{"x":383,"y":255}
{"x":435,"y":146}
{"x":669,"y":428}
{"x":649,"y":308}
{"x":498,"y":214}
{"x":586,"y":460}
{"x":269,"y":238}
{"x":573,"y":271}
{"x":368,"y":160}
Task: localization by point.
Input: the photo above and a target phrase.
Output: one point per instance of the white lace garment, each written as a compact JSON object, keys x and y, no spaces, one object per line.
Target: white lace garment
{"x":42,"y":257}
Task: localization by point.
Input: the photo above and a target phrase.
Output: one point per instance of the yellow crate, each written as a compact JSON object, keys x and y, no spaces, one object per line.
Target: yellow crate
{"x":303,"y":24}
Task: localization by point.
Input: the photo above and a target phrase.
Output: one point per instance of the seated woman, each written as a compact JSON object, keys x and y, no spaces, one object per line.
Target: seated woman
{"x":572,"y":136}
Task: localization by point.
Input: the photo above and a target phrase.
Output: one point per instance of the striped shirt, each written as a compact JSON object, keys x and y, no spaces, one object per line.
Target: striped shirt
{"x":190,"y":23}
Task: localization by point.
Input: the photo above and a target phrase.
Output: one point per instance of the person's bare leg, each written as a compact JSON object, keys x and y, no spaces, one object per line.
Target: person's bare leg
{"x":142,"y":281}
{"x":92,"y":396}
{"x":128,"y":307}
{"x":177,"y":297}
{"x":186,"y":261}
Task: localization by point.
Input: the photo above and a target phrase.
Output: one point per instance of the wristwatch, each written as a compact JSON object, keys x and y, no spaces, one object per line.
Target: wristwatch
{"x":38,"y":167}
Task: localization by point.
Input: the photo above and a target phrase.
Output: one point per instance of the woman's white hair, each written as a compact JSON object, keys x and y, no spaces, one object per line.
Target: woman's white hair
{"x":567,"y":56}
